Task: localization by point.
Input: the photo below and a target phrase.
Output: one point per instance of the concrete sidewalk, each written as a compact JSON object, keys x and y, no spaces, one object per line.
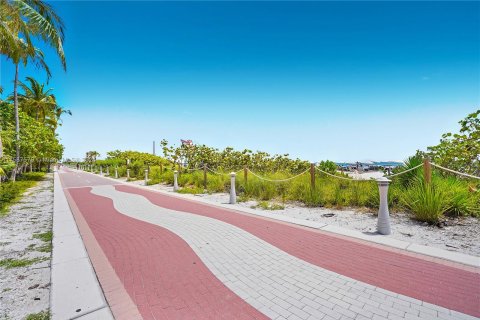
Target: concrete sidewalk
{"x":75,"y":291}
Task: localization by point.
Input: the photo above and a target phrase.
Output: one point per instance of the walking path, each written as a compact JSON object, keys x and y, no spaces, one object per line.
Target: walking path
{"x":178,"y":259}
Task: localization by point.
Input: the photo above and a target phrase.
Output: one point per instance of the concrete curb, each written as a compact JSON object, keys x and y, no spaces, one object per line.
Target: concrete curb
{"x":411,"y":247}
{"x":75,"y":291}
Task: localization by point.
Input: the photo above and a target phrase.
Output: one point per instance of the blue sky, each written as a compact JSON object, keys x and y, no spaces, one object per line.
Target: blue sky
{"x":343,"y":81}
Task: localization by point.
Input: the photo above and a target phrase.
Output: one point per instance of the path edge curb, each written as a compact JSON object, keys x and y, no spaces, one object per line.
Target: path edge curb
{"x":87,"y":292}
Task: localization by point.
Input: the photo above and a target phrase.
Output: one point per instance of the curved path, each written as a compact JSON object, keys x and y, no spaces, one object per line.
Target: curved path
{"x":180,"y":259}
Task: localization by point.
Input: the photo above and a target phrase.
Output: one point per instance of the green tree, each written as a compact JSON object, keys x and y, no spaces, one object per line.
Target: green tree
{"x":91,"y":156}
{"x":460,"y":151}
{"x":20,"y":21}
{"x":40,"y":103}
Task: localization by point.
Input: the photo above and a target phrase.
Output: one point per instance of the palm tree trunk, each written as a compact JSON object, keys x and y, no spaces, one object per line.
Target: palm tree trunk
{"x":1,"y":144}
{"x":17,"y":123}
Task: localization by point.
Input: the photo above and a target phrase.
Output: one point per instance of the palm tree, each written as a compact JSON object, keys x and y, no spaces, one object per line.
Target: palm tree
{"x":40,"y":103}
{"x":22,"y":20}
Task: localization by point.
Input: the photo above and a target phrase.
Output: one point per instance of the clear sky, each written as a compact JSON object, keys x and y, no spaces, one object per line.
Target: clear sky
{"x":343,"y":81}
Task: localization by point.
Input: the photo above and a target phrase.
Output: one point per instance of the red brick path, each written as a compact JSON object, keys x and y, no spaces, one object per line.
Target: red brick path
{"x":160,"y":272}
{"x":442,"y":284}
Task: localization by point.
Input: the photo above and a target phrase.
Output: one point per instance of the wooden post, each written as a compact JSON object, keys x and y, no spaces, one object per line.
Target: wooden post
{"x":205,"y":176}
{"x":427,"y":170}
{"x":245,"y":175}
{"x":161,"y":168}
{"x":312,"y":175}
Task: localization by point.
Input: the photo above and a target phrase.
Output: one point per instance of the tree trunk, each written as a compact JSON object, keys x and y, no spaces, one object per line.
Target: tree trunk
{"x":17,"y":122}
{"x":1,"y":144}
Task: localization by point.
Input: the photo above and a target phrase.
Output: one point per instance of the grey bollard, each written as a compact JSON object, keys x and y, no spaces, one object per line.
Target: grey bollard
{"x":101,"y":170}
{"x":175,"y":180}
{"x":128,"y":174}
{"x":383,"y":223}
{"x":233,"y":194}
{"x":116,"y":173}
{"x":108,"y":171}
{"x":146,"y":176}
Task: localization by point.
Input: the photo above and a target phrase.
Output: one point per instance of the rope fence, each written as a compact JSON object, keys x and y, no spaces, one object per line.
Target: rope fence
{"x":340,"y":177}
{"x":455,"y":172}
{"x":403,"y":172}
{"x":277,"y":180}
{"x":383,"y":223}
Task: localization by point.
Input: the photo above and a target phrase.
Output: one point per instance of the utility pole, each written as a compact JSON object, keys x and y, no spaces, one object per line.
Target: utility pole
{"x":153,"y":147}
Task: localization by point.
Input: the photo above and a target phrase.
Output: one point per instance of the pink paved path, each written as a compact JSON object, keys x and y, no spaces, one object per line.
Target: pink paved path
{"x":167,"y":280}
{"x":162,"y":275}
{"x":437,"y":283}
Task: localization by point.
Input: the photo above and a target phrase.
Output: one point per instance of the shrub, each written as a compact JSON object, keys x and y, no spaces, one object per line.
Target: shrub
{"x":428,"y":202}
{"x":461,"y":201}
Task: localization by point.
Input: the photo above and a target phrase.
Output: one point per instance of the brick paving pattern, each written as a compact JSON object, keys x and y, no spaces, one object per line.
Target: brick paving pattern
{"x":183,"y":260}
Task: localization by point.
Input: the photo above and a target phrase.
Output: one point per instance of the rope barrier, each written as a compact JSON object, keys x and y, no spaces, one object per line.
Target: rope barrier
{"x":339,"y":177}
{"x":400,"y":173}
{"x":279,"y":180}
{"x":218,"y":173}
{"x":453,"y":171}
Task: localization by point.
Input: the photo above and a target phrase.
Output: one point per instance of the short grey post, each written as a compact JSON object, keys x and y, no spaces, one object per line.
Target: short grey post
{"x":128,"y":174}
{"x":175,"y":180}
{"x":383,"y":223}
{"x":108,"y":171}
{"x":101,"y":170}
{"x":233,"y":194}
{"x":146,"y":176}
{"x":116,"y":172}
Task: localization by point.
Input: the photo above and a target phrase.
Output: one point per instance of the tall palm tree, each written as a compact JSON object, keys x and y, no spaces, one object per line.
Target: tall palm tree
{"x":40,"y":103}
{"x":20,"y":21}
{"x":35,"y":100}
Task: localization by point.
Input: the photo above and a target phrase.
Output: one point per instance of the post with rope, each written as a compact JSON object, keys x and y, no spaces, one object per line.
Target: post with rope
{"x":383,"y":222}
{"x":427,"y":170}
{"x":233,"y":195}
{"x":128,"y":174}
{"x":205,"y":176}
{"x":146,"y":176}
{"x":312,"y":176}
{"x":175,"y":180}
{"x":245,"y":175}
{"x":116,"y":172}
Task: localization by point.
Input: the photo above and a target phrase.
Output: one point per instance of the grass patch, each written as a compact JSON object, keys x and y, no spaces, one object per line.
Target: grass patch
{"x":265,"y":205}
{"x":45,"y":248}
{"x":11,"y":192}
{"x":191,"y":190}
{"x":46,"y":236}
{"x":19,"y":263}
{"x":43,"y":315}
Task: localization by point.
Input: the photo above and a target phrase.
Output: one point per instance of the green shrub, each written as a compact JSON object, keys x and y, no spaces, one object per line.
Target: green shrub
{"x":31,"y":176}
{"x":428,"y":202}
{"x":11,"y":191}
{"x":461,"y":201}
